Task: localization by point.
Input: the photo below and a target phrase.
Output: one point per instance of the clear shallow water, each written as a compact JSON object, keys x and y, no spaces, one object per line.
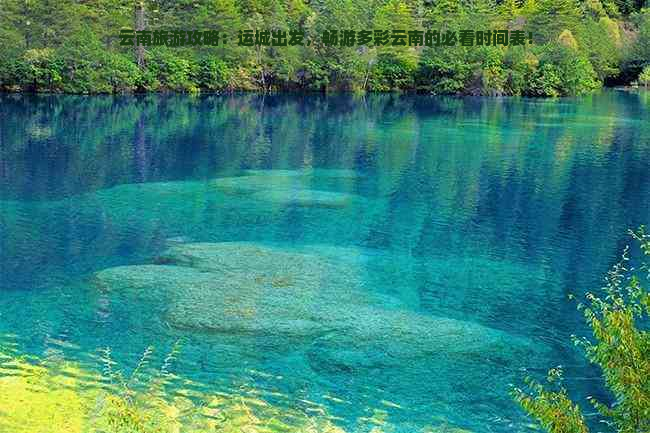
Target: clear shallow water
{"x":403,"y":257}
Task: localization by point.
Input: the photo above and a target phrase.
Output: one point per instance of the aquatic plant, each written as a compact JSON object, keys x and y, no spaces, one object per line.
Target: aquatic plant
{"x":620,"y":347}
{"x":62,"y":397}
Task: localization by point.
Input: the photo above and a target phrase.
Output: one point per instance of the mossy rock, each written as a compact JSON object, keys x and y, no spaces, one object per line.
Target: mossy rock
{"x":241,"y":257}
{"x":150,"y":282}
{"x":278,"y":266}
{"x":249,"y":288}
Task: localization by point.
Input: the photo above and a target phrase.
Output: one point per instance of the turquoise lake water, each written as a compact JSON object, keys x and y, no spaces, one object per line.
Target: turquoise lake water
{"x":387,"y":260}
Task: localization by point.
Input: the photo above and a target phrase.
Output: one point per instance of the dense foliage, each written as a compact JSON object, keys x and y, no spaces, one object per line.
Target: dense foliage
{"x":620,"y":348}
{"x":72,"y":46}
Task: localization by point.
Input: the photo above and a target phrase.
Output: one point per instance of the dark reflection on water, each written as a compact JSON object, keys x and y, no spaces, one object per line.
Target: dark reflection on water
{"x":489,"y":211}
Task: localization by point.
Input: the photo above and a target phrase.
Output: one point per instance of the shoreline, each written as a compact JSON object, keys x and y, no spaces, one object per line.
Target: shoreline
{"x":633,"y":89}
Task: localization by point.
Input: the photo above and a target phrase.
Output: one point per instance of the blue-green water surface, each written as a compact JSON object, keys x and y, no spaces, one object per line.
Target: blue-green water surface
{"x":396,"y":261}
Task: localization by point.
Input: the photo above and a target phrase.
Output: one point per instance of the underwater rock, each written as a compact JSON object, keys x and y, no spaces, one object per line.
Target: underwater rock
{"x":330,"y":173}
{"x":305,"y":198}
{"x":149,"y":281}
{"x":246,"y":260}
{"x":389,"y":338}
{"x":288,"y":187}
{"x":352,"y":330}
{"x":247,"y":288}
{"x":326,"y":276}
{"x":243,"y":185}
{"x":244,"y":287}
{"x":211,"y":302}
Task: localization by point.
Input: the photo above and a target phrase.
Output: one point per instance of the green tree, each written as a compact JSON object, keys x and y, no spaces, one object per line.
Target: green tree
{"x":551,"y":17}
{"x":395,"y":65}
{"x":475,"y":70}
{"x":520,"y":65}
{"x":42,"y":69}
{"x":83,"y":52}
{"x":641,"y":49}
{"x":628,"y":6}
{"x":337,"y":67}
{"x":563,"y":69}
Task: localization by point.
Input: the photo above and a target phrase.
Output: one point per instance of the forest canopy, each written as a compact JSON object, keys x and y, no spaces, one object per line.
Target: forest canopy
{"x":73,"y":46}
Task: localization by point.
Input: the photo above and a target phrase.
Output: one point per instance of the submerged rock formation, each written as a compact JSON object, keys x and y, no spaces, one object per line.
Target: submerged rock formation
{"x":289,"y":187}
{"x":244,"y":287}
{"x":306,"y":198}
{"x":251,"y":289}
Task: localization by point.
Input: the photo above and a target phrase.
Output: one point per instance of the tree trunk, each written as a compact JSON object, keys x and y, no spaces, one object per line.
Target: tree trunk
{"x":139,"y":25}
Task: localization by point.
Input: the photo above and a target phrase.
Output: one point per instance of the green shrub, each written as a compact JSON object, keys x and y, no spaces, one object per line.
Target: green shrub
{"x":520,"y":66}
{"x":644,"y":77}
{"x":444,"y":70}
{"x":89,"y":68}
{"x":620,"y":347}
{"x":546,"y":81}
{"x":214,"y":74}
{"x":391,"y":72}
{"x":10,"y":74}
{"x":640,"y":54}
{"x":121,"y":73}
{"x":172,"y":71}
{"x":554,"y":410}
{"x":601,"y":42}
{"x":489,"y":74}
{"x":563,"y":71}
{"x":43,"y":70}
